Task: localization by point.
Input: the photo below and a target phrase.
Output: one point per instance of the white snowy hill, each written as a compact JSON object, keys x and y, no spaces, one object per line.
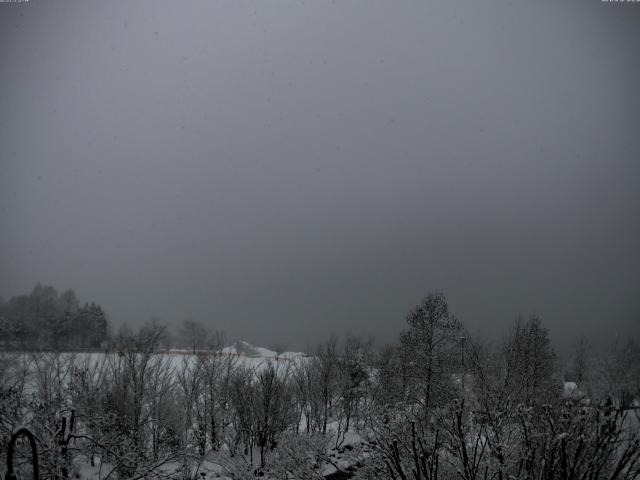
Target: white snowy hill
{"x":245,"y":349}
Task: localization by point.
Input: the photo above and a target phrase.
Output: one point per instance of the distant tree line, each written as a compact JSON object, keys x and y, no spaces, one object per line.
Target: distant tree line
{"x":45,"y":319}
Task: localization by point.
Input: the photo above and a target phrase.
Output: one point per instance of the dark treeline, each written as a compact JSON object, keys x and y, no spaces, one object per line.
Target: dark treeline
{"x":47,"y":320}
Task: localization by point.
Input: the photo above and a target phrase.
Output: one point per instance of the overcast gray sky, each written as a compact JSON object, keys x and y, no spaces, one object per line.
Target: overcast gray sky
{"x":283,"y":170}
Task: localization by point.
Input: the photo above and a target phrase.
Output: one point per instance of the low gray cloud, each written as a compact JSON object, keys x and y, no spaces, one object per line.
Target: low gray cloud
{"x":281,"y":170}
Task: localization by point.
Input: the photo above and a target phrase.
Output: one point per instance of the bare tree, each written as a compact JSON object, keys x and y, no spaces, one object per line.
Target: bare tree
{"x":621,"y":373}
{"x":274,"y":405}
{"x":352,"y":382}
{"x":138,"y":392}
{"x":326,"y":365}
{"x":581,"y":364}
{"x":300,"y":456}
{"x":430,"y":345}
{"x":194,"y":335}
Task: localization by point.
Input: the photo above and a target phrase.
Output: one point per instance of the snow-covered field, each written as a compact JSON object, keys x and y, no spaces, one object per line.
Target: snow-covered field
{"x":243,"y":353}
